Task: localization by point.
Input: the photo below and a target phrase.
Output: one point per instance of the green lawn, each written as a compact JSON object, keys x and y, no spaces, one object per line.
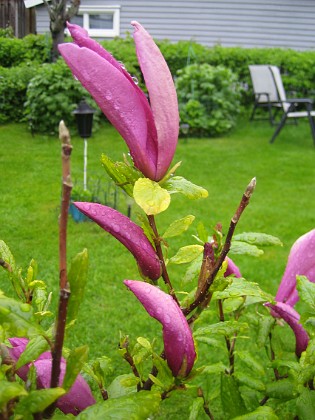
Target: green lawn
{"x":283,"y":205}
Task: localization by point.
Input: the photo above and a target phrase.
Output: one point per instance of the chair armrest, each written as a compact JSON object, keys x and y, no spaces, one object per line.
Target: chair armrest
{"x":299,"y":101}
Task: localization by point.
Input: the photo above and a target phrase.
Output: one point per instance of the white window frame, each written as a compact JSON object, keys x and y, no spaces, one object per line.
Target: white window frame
{"x":86,"y":11}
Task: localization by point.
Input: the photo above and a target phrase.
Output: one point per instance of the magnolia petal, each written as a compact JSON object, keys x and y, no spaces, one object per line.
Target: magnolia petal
{"x":119,"y":101}
{"x":163,"y":97}
{"x":77,"y":398}
{"x":291,"y":317}
{"x":232,"y":268}
{"x":178,"y":342}
{"x":301,"y":261}
{"x":128,"y":233}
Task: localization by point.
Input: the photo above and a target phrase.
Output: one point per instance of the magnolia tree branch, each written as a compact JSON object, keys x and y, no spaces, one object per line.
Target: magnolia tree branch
{"x":64,"y":293}
{"x":202,"y":293}
{"x":159,"y":252}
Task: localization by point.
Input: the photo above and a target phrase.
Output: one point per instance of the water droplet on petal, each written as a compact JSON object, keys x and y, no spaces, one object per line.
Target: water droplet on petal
{"x":135,"y":80}
{"x":116,"y":228}
{"x":122,"y":65}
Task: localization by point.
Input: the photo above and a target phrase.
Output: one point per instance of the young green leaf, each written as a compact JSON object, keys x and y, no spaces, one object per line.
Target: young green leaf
{"x":305,"y":404}
{"x":18,"y":318}
{"x":10,"y":390}
{"x":265,"y":413}
{"x":226,"y":328}
{"x":77,"y":278}
{"x":121,"y":173}
{"x":193,"y":270}
{"x":196,"y":409}
{"x":243,"y":248}
{"x":178,"y":227}
{"x":152,"y":198}
{"x":75,"y":362}
{"x":178,"y":184}
{"x":306,"y":291}
{"x":123,"y":385}
{"x":260,"y":239}
{"x":187,"y":254}
{"x":265,"y":325}
{"x":282,"y":390}
{"x":231,"y":399}
{"x":37,"y":401}
{"x":241,"y":287}
{"x":35,"y":347}
{"x":136,"y":406}
{"x":250,"y":381}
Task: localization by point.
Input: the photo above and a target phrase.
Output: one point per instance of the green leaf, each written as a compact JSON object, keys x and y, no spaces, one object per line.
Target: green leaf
{"x":232,"y":304}
{"x":138,"y":406}
{"x":196,"y":409}
{"x":306,"y":291}
{"x":10,"y":390}
{"x":178,"y":227}
{"x":262,"y":413}
{"x":265,"y":325}
{"x":100,"y":369}
{"x":241,"y":287}
{"x":121,"y":173}
{"x":259,"y":239}
{"x":305,"y":405}
{"x":243,"y":248}
{"x":75,"y":362}
{"x":7,"y":256}
{"x":232,"y":402}
{"x":18,"y":318}
{"x":193,"y":270}
{"x":226,"y":328}
{"x":282,"y":390}
{"x":150,"y":196}
{"x":144,"y":343}
{"x":123,"y":385}
{"x":35,"y":347}
{"x":37,"y":401}
{"x":202,"y":232}
{"x":187,"y":254}
{"x":165,"y":375}
{"x":251,"y":362}
{"x":178,"y":184}
{"x":250,"y":382}
{"x":77,"y":278}
{"x":213,"y":369}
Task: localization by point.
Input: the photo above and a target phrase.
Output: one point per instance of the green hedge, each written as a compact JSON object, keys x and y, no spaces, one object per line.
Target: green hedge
{"x":25,"y":57}
{"x":13,"y":87}
{"x":52,"y":95}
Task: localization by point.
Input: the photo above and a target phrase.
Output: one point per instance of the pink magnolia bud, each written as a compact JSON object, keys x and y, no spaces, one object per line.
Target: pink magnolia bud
{"x":151,"y":133}
{"x":128,"y":233}
{"x":232,"y":268}
{"x":301,"y":262}
{"x":178,"y":342}
{"x":291,"y":317}
{"x":75,"y":400}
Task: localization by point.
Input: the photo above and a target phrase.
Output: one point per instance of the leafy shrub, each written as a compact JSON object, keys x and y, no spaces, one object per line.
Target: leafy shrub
{"x":13,"y":86}
{"x":208,"y":98}
{"x":52,"y":95}
{"x":14,"y":51}
{"x":6,"y":32}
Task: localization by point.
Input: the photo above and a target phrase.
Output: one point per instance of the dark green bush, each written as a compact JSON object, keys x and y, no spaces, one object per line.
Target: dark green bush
{"x":208,"y":98}
{"x":52,"y":95}
{"x":14,"y":51}
{"x":13,"y":86}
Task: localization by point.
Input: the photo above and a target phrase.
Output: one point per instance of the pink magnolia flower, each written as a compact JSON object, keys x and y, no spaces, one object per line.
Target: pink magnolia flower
{"x":178,"y":341}
{"x":149,"y":129}
{"x":128,"y":233}
{"x":291,"y":317}
{"x":301,"y":262}
{"x":77,"y":398}
{"x":232,"y":268}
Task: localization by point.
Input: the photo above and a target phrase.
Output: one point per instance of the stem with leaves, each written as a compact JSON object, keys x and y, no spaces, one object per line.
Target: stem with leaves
{"x":203,"y":292}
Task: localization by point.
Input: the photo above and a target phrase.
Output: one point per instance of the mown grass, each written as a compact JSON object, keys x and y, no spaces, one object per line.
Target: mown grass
{"x":282,"y":205}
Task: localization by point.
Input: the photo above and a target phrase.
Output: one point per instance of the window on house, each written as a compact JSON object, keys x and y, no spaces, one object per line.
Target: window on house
{"x":99,"y":21}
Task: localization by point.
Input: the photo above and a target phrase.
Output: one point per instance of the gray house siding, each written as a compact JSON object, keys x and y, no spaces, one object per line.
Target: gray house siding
{"x":246,"y":23}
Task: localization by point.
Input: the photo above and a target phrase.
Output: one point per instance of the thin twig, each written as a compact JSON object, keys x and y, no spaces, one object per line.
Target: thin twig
{"x":203,"y":293}
{"x":64,"y":293}
{"x":157,"y":242}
